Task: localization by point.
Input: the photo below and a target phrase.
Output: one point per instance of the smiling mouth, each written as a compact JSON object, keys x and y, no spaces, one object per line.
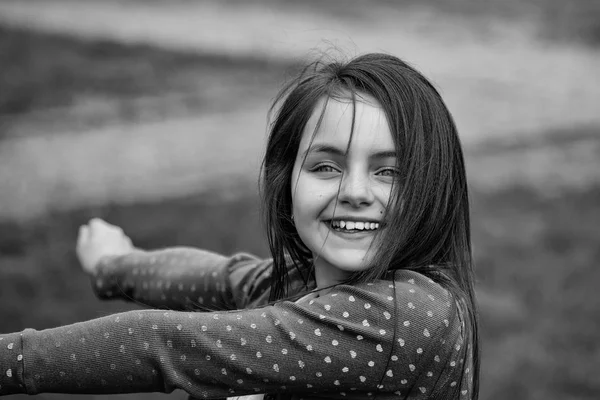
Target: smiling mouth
{"x":353,"y":226}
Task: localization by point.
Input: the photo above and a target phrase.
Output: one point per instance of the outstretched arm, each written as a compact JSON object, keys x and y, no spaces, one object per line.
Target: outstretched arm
{"x":179,"y":278}
{"x":351,"y":341}
{"x":184,"y":278}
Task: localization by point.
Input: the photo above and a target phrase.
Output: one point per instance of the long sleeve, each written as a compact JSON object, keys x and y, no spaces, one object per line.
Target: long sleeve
{"x":393,"y":338}
{"x":183,"y":278}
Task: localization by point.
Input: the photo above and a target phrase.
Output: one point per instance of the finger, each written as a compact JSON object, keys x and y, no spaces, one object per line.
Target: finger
{"x":97,"y":222}
{"x":100,"y":225}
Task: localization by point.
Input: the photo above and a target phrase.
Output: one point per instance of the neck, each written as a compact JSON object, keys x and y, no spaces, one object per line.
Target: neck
{"x":327,"y":275}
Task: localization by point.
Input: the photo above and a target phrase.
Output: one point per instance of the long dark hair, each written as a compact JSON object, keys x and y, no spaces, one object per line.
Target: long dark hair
{"x":427,"y":223}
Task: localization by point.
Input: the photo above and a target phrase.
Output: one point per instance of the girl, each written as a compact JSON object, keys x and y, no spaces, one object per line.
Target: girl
{"x":369,"y":293}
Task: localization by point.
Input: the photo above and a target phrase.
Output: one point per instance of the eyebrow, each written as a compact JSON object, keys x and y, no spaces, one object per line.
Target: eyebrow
{"x":325,"y":148}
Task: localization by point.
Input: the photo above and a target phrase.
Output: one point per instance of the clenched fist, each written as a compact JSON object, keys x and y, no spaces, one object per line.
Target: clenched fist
{"x":99,"y":239}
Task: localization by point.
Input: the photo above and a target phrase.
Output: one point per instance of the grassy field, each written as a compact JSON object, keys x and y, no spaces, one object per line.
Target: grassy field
{"x":562,"y":20}
{"x":46,"y":71}
{"x":537,"y":259}
{"x":61,"y":82}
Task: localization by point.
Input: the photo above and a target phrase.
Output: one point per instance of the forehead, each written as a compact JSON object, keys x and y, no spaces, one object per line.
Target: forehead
{"x":371,"y":129}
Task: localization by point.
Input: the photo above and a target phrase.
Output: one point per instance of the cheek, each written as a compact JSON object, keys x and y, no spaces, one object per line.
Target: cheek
{"x":305,"y":204}
{"x":308,"y":192}
{"x":301,"y":201}
{"x":385,"y":196}
{"x":394,"y":204}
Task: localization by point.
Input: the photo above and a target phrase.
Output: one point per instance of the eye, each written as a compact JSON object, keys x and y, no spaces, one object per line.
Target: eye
{"x":389,"y":172}
{"x":326,"y":168}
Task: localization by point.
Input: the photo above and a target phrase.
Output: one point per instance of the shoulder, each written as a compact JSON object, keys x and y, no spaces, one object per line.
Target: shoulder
{"x":427,"y":302}
{"x":422,"y":308}
{"x":415,"y":310}
{"x":418,"y":289}
{"x":406,"y":288}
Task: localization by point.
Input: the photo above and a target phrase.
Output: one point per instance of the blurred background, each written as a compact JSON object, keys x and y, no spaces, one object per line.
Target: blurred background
{"x":152,"y":114}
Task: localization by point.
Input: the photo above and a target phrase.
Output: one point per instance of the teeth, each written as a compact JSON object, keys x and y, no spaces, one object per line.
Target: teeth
{"x":355,"y":225}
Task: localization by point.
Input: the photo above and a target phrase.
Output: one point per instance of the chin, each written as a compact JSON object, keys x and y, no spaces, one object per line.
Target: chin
{"x":349,"y":261}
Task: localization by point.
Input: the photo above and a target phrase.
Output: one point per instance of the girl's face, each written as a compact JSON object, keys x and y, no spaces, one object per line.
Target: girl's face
{"x":340,"y":193}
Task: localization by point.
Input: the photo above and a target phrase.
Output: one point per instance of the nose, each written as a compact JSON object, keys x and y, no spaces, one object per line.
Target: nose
{"x":355,"y":190}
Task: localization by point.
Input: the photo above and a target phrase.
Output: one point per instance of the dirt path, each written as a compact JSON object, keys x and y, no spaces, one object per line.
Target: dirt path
{"x":498,"y":81}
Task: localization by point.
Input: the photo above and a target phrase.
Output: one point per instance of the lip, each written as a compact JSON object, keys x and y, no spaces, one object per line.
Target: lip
{"x":327,"y":221}
{"x":353,"y":219}
{"x":356,"y":235}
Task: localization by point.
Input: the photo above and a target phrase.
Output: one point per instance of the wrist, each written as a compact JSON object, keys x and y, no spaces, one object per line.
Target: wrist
{"x":102,"y":262}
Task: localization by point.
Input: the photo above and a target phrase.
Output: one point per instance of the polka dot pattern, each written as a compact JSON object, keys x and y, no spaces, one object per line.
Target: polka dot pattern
{"x":184,"y":278}
{"x":352,"y":342}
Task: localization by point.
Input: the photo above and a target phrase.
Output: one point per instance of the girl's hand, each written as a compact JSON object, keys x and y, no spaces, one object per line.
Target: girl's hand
{"x":99,"y":239}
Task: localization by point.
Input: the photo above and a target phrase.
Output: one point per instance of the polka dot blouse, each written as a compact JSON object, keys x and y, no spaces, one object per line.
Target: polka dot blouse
{"x":401,"y":337}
